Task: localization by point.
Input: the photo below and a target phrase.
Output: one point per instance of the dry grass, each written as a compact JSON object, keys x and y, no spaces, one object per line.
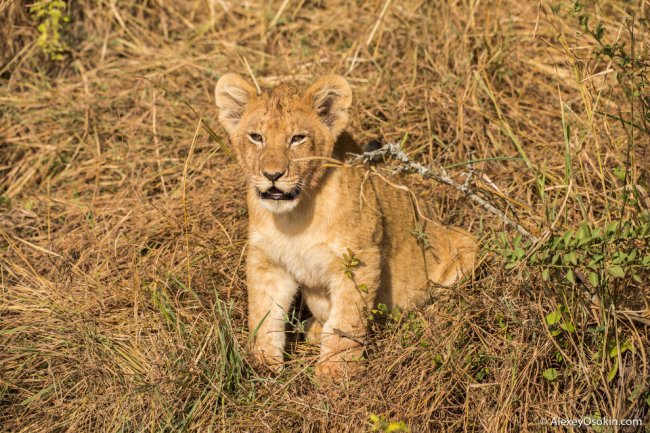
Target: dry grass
{"x":123,"y":222}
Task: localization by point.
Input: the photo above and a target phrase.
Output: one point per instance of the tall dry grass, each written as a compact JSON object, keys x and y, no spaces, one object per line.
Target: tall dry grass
{"x":123,"y":222}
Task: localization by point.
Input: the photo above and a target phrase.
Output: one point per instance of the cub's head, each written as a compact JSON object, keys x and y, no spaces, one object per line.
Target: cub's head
{"x":277,"y":134}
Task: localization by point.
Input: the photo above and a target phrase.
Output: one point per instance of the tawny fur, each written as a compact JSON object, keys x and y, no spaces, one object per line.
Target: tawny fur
{"x":298,"y":244}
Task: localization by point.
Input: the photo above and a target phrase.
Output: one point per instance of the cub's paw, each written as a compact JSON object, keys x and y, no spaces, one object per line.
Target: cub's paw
{"x":329,"y":370}
{"x":271,"y":360}
{"x":336,"y":370}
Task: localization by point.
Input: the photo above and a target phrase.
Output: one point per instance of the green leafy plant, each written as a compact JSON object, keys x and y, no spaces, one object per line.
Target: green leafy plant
{"x":408,"y":325}
{"x":558,"y":321}
{"x":52,"y":17}
{"x":349,"y":263}
{"x":293,"y":319}
{"x":612,"y":254}
{"x":561,"y":326}
{"x":550,"y":374}
{"x":633,"y":72}
{"x":595,"y":255}
{"x":632,"y":67}
{"x":503,"y":325}
{"x":614,"y":353}
{"x":477,"y":364}
{"x":420,"y":235}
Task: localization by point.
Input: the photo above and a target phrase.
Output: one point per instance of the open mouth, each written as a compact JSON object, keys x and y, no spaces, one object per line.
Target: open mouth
{"x":274,"y":193}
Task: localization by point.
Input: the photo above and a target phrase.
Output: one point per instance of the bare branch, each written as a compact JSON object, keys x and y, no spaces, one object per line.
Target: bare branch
{"x":393,"y":150}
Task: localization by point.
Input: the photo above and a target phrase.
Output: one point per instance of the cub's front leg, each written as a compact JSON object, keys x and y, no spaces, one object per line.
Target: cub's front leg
{"x":346,"y":327}
{"x":271,"y":290}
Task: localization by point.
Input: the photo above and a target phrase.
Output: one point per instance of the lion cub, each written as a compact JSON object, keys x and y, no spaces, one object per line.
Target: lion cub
{"x":304,"y":215}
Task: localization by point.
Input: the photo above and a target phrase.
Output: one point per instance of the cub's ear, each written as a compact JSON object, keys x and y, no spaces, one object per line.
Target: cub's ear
{"x":331,"y":97}
{"x":232,"y":95}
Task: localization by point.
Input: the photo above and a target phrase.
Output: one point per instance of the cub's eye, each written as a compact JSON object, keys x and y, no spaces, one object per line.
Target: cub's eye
{"x":255,"y":138}
{"x":298,"y":138}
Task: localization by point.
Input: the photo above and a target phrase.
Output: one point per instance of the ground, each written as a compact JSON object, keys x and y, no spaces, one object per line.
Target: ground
{"x":123,"y":219}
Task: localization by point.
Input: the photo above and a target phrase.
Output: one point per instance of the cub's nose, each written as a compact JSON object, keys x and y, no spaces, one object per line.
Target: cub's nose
{"x":273,"y":176}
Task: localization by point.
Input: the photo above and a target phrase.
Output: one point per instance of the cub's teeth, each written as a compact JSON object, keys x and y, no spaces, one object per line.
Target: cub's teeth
{"x":275,"y":193}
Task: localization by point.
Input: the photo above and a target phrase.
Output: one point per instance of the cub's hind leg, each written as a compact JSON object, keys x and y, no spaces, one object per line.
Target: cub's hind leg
{"x":457,"y":256}
{"x":319,"y":305}
{"x":313,"y":330}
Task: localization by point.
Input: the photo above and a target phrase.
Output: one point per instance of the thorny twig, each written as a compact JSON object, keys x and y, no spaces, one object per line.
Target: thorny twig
{"x":393,"y":150}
